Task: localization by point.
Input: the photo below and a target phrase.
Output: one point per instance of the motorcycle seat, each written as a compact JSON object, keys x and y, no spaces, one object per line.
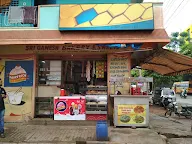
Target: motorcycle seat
{"x":185,"y":106}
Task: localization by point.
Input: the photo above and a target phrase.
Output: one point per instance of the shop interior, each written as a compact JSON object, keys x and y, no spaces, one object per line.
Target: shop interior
{"x":77,"y":75}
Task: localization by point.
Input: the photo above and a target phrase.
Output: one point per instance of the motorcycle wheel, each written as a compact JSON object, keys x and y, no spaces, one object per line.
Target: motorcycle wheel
{"x":168,"y":113}
{"x":189,"y":116}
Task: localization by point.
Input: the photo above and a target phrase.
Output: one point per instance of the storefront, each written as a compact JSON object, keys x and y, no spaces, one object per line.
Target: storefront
{"x":83,"y":77}
{"x":34,"y":78}
{"x":37,"y":64}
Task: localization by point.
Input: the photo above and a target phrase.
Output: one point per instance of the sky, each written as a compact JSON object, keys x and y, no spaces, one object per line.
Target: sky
{"x":176,"y":14}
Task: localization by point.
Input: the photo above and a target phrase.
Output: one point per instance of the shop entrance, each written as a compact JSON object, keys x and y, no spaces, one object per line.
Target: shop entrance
{"x":80,"y":75}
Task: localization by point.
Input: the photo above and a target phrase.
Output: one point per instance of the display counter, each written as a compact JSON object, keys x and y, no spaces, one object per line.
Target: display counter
{"x":89,"y":107}
{"x":69,"y":108}
{"x":96,"y":107}
{"x":130,"y":110}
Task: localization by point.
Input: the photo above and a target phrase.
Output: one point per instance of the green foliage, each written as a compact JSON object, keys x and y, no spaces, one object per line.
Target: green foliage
{"x":186,"y":49}
{"x":134,"y":73}
{"x":178,"y":40}
{"x":175,"y":35}
{"x":184,"y":34}
{"x":160,"y":80}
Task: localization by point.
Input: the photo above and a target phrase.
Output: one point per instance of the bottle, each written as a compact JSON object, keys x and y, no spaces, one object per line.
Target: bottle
{"x":62,"y":92}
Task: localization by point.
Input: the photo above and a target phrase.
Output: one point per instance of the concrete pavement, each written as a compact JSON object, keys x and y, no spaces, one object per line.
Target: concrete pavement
{"x":71,"y":134}
{"x":161,"y":131}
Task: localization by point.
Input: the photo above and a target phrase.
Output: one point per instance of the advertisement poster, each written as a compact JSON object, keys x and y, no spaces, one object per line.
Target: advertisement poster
{"x":18,"y":73}
{"x":131,"y":114}
{"x":69,"y":108}
{"x":100,"y":69}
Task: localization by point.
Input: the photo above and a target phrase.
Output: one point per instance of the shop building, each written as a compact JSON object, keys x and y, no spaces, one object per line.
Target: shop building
{"x":81,"y":48}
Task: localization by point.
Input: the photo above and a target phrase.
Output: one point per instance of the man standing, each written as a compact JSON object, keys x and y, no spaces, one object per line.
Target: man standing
{"x":2,"y":109}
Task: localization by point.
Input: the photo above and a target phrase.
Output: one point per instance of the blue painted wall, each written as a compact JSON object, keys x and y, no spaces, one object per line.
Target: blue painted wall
{"x":26,"y":2}
{"x":49,"y":18}
{"x":4,"y":17}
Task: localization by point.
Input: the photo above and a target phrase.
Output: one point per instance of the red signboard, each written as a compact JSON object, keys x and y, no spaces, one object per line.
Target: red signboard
{"x":69,"y":108}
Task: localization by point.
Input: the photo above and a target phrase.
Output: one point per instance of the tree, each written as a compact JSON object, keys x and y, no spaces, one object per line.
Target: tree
{"x":186,"y":49}
{"x":178,"y":40}
{"x":134,"y":73}
{"x":161,"y":80}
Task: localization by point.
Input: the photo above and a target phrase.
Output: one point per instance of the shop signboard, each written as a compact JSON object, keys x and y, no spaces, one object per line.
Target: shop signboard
{"x":69,"y":108}
{"x":119,"y":66}
{"x":131,"y":114}
{"x":106,"y":17}
{"x":18,"y":73}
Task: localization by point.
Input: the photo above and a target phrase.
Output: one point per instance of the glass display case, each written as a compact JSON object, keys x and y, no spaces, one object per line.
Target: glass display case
{"x":96,"y":104}
{"x":96,"y":90}
{"x":44,"y":107}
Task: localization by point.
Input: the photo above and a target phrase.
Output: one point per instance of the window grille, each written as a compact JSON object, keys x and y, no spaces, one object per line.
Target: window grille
{"x":5,"y":10}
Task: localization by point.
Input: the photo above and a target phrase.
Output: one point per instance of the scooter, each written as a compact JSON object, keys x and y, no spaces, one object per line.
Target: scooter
{"x":183,"y":94}
{"x":185,"y":111}
{"x":165,"y":101}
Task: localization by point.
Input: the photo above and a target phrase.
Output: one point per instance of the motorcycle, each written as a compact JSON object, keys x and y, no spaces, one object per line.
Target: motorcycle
{"x":183,"y":94}
{"x":166,"y":101}
{"x":179,"y":110}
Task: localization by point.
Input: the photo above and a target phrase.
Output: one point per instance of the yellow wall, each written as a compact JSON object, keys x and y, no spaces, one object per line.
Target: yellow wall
{"x":29,"y":97}
{"x":22,"y":112}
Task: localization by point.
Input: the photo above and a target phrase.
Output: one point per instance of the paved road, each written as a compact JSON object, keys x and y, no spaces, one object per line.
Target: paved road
{"x":187,"y":101}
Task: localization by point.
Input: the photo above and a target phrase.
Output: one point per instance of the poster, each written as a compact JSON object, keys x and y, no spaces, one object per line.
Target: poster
{"x":119,"y":69}
{"x":69,"y":108}
{"x":18,"y":73}
{"x":100,"y":69}
{"x":131,"y":114}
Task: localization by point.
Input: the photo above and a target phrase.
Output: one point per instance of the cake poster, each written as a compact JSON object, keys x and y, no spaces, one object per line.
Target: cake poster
{"x":18,"y":73}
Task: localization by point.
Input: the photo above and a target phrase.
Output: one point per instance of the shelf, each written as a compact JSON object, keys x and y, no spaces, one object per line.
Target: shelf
{"x":53,"y":80}
{"x":43,"y":102}
{"x":96,"y":104}
{"x":43,"y":109}
{"x":49,"y":71}
{"x":96,"y":112}
{"x":49,"y":75}
{"x":98,"y":89}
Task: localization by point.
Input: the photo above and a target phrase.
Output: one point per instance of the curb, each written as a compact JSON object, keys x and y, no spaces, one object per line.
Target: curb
{"x":87,"y":142}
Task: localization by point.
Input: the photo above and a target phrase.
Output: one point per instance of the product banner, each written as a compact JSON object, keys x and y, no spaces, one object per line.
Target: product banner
{"x":69,"y":108}
{"x":131,"y":114}
{"x":18,"y":73}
